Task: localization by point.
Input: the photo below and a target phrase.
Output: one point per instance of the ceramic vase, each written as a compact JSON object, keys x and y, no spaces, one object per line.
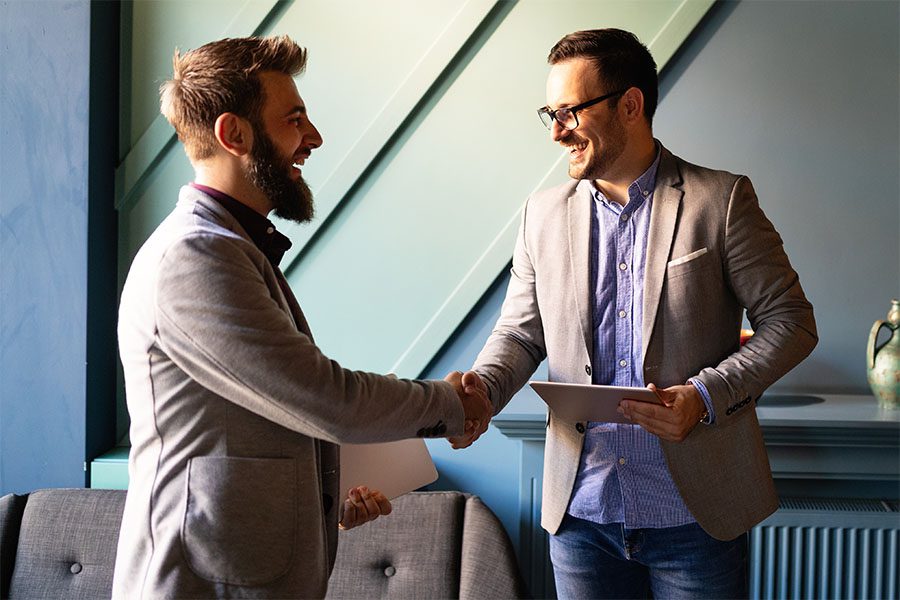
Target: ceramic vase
{"x":883,"y":360}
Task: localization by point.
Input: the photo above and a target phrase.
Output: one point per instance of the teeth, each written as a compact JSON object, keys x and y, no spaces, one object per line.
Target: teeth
{"x":578,"y":147}
{"x":296,"y":165}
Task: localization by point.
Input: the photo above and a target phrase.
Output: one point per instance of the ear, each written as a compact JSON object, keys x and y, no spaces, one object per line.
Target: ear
{"x":632,"y":104}
{"x":234,"y":134}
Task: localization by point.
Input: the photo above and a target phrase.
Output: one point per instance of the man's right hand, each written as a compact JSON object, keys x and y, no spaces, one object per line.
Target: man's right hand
{"x":477,"y":408}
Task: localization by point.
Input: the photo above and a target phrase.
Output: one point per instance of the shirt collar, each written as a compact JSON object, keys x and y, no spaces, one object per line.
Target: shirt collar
{"x":261,"y":230}
{"x":640,"y":188}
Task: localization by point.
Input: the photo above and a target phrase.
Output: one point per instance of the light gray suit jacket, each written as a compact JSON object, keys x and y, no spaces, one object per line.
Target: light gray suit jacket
{"x":235,"y":414}
{"x":711,"y":253}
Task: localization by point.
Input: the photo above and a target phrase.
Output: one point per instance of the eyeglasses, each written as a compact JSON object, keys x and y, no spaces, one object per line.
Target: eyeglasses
{"x":567,"y":117}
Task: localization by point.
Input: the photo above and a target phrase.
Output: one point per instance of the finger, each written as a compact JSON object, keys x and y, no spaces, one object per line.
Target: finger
{"x":453,"y":377}
{"x":370,"y":503}
{"x":384,"y":505}
{"x":349,"y":518}
{"x":635,"y":409}
{"x":460,"y":442}
{"x":355,"y":498}
{"x":665,"y":396}
{"x":471,"y":382}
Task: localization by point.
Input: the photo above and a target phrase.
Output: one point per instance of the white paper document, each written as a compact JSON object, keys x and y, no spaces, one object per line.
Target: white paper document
{"x":581,"y":402}
{"x":393,"y":468}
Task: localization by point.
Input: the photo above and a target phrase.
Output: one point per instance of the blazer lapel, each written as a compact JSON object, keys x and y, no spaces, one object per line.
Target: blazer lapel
{"x":663,"y":217}
{"x":579,"y":213}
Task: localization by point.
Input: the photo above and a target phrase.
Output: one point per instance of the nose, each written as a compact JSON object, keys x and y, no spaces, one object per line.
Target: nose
{"x":311,"y":136}
{"x":557,"y":131}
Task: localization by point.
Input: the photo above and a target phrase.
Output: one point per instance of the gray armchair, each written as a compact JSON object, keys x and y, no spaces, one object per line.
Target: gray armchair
{"x":61,"y":543}
{"x":434,"y":545}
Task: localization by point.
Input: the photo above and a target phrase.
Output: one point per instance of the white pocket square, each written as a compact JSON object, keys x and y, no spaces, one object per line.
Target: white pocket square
{"x":686,"y":257}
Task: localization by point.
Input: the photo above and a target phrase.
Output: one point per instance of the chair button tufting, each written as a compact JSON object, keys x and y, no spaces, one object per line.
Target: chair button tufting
{"x":389,"y":571}
{"x":75,"y":569}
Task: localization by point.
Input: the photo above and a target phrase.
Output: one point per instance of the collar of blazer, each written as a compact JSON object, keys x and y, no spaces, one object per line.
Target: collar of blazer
{"x":667,"y":196}
{"x":207,"y":208}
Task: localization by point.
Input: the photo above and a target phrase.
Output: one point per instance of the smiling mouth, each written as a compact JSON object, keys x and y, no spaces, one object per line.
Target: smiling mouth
{"x":576,"y":149}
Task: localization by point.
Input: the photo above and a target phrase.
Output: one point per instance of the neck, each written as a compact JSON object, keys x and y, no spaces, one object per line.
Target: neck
{"x":638,"y":157}
{"x":233,"y":182}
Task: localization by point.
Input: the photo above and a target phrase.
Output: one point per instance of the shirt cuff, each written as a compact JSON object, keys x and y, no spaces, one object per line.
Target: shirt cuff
{"x":704,"y":393}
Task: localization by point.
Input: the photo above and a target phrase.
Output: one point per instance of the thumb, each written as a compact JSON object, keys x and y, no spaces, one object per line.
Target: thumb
{"x":667,"y":397}
{"x":470,"y":379}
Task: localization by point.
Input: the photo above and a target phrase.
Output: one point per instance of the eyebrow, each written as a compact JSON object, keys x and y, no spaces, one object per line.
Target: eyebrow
{"x":296,"y":109}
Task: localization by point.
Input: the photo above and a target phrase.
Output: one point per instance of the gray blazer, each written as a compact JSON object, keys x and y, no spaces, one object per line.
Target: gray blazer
{"x":711,"y":253}
{"x":235,"y":414}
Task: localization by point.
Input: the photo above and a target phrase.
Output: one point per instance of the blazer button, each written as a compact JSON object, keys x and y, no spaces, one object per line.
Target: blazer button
{"x":389,"y":571}
{"x":579,"y":427}
{"x":587,"y":369}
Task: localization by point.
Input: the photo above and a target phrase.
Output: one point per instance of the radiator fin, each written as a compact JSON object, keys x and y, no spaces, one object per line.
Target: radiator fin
{"x":799,"y":558}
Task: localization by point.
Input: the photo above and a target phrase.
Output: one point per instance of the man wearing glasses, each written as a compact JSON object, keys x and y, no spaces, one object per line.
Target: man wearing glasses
{"x":636,"y":272}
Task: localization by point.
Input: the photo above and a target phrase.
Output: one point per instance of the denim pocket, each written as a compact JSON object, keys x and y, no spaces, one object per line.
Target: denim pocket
{"x":240,"y":519}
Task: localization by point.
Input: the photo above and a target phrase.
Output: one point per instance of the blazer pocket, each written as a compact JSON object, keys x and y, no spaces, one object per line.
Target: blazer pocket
{"x":687,"y":263}
{"x":240,"y":519}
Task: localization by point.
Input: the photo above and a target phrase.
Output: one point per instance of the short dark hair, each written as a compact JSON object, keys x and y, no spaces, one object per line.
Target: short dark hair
{"x":622,"y":61}
{"x":220,"y":77}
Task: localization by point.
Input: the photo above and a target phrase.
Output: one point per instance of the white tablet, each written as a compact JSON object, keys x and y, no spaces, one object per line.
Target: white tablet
{"x":393,"y":468}
{"x":581,"y":402}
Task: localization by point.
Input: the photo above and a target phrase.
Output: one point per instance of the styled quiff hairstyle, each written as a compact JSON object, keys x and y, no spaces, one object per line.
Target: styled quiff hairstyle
{"x":222,"y":77}
{"x":621,"y":60}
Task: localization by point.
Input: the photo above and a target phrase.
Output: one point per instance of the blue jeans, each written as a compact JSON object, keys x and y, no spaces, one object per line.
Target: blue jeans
{"x":609,"y":561}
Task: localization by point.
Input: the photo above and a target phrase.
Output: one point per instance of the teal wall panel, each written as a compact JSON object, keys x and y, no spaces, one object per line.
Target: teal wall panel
{"x":430,"y":225}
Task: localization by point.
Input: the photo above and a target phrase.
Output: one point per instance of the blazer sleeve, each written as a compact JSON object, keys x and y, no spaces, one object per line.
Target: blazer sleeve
{"x":216,"y":319}
{"x":759,"y":273}
{"x":516,"y":346}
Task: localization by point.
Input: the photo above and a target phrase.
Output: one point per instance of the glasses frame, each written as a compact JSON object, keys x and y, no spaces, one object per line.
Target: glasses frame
{"x":545,"y":110}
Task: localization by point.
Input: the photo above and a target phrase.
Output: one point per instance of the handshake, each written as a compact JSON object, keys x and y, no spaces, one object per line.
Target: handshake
{"x":478,"y":410}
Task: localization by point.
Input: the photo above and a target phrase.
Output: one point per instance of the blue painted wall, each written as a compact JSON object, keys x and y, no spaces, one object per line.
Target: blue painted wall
{"x":803,"y":97}
{"x":44,"y":89}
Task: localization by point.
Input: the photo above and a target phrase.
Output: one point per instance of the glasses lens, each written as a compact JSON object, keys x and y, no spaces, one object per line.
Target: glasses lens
{"x":566,"y":119}
{"x":546,"y":119}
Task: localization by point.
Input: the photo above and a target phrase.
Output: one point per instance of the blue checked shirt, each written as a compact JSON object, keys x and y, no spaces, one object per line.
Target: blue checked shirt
{"x":622,"y":476}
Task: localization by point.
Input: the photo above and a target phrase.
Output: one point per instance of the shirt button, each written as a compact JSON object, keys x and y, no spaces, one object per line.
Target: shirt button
{"x":622,"y":461}
{"x":623,"y":363}
{"x":587,"y":369}
{"x":622,"y":313}
{"x":270,"y":230}
{"x":75,"y":569}
{"x":646,"y":193}
{"x":579,"y":427}
{"x":390,"y":571}
{"x":624,"y":217}
{"x":622,"y":266}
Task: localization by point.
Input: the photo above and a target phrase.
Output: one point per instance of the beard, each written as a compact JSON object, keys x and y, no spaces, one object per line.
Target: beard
{"x":599,"y":163}
{"x":291,"y":200}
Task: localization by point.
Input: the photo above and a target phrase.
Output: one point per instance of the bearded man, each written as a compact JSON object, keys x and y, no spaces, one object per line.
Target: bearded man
{"x":235,"y":413}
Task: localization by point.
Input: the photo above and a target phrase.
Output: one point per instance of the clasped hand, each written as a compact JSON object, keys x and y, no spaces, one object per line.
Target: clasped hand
{"x":363,"y":505}
{"x":473,"y":395}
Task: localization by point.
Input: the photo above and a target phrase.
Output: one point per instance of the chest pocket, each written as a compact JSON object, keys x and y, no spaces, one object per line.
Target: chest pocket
{"x":694,"y":261}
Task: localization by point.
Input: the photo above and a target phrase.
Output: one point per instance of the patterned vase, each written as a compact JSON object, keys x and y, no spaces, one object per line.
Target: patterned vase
{"x":883,"y":360}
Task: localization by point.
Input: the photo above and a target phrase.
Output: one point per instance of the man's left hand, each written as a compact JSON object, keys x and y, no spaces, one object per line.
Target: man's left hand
{"x":680,"y":412}
{"x":363,"y":505}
